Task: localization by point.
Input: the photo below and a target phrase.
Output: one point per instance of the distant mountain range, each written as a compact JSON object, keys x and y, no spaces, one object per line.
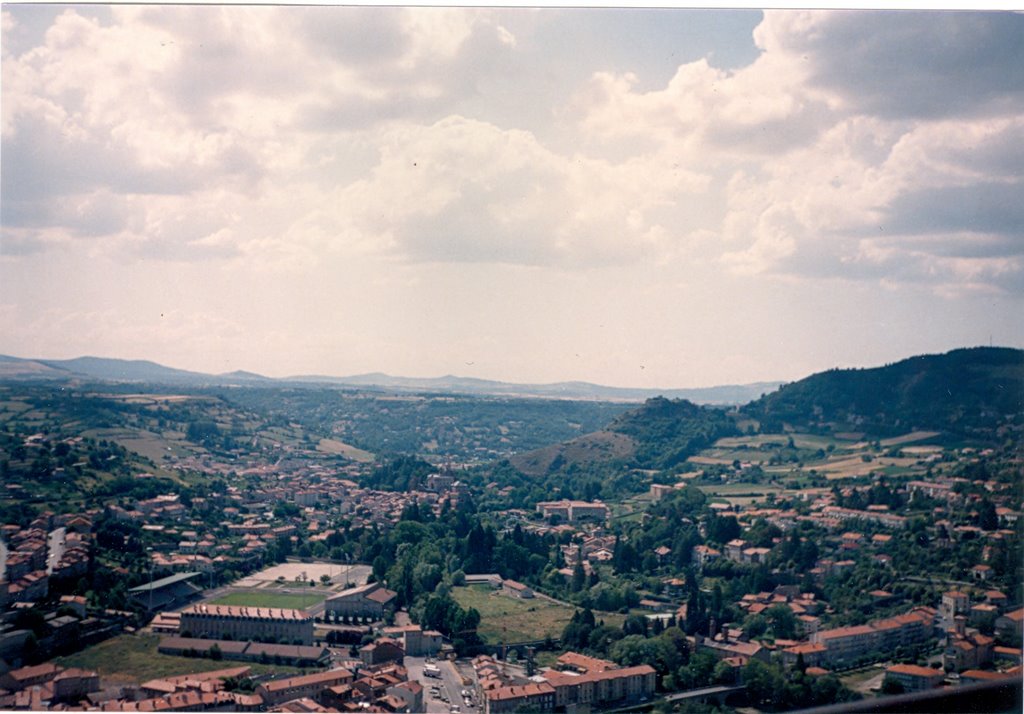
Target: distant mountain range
{"x":119,"y":370}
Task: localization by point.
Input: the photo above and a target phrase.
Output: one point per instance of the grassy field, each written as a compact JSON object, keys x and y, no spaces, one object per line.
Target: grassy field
{"x":134,"y":658}
{"x":146,"y":443}
{"x":742,"y":493}
{"x":863,"y":679}
{"x":507,"y":619}
{"x":259,"y":598}
{"x":333,"y":446}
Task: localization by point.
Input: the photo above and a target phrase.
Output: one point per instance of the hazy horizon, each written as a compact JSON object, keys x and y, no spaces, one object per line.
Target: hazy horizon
{"x":635,"y":198}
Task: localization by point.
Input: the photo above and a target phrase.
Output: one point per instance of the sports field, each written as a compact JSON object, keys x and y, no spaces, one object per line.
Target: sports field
{"x":263,"y":598}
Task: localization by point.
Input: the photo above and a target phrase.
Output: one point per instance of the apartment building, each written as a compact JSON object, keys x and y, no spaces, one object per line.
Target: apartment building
{"x":536,"y":696}
{"x":310,"y":685}
{"x":846,"y":645}
{"x":574,"y":511}
{"x":602,"y":687}
{"x":914,"y":678}
{"x":261,"y":624}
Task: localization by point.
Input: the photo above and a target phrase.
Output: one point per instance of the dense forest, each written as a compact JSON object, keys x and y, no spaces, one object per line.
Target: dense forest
{"x":968,"y":392}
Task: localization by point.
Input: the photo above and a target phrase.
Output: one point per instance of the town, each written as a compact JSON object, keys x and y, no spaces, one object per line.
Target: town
{"x":163,"y":550}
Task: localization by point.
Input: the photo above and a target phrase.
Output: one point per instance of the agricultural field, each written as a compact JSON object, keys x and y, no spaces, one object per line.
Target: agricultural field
{"x":783,"y":457}
{"x":134,"y":658}
{"x":333,"y":446}
{"x":150,"y":445}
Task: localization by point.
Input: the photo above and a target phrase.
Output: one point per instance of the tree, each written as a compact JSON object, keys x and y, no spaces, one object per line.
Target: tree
{"x":578,"y":576}
{"x":891,"y":685}
{"x":782,"y":620}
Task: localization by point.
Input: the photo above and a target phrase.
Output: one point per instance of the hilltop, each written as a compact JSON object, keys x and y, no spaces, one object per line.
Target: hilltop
{"x":660,"y":434}
{"x":962,"y":392}
{"x":972,"y":393}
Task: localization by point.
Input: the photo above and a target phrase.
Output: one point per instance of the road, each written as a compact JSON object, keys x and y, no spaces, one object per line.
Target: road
{"x":55,"y":548}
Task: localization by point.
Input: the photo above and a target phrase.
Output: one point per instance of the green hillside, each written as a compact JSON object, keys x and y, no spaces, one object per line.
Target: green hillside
{"x":966,"y":392}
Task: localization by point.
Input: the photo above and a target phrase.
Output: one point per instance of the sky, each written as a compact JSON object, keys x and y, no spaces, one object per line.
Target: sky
{"x":647,"y":198}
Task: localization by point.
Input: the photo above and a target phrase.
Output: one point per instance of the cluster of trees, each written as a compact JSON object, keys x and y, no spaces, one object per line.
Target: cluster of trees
{"x":771,"y":688}
{"x":439,"y":611}
{"x":668,"y":431}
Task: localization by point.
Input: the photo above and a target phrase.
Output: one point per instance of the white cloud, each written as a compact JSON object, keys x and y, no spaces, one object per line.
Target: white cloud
{"x":857,"y":149}
{"x":464,"y":190}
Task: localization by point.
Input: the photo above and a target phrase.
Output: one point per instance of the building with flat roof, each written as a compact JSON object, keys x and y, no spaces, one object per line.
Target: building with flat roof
{"x":262,"y":624}
{"x":574,"y":511}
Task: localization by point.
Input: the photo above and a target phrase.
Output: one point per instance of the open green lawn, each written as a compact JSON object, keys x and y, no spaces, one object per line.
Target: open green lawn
{"x":134,"y":658}
{"x":260,"y":598}
{"x":507,"y":619}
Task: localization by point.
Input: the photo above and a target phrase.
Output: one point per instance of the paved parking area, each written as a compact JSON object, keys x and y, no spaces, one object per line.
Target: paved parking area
{"x":449,"y":685}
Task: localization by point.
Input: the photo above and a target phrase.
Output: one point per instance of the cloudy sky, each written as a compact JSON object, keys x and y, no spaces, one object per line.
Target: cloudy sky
{"x":658,"y":198}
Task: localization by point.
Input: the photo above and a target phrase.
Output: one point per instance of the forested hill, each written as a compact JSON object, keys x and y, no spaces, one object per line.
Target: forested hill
{"x":659,"y":434}
{"x":966,"y":392}
{"x":668,"y":431}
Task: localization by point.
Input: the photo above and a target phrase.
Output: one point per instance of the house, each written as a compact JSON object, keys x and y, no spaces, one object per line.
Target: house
{"x":981,"y":572}
{"x":966,"y":649}
{"x":516,"y":589}
{"x":580,"y":663}
{"x":1008,"y":626}
{"x":812,"y":654}
{"x":381,"y":651}
{"x":727,"y":647}
{"x":702,"y":554}
{"x":416,"y":641}
{"x":410,"y":693}
{"x":734,"y":549}
{"x":954,"y":602}
{"x":25,"y":677}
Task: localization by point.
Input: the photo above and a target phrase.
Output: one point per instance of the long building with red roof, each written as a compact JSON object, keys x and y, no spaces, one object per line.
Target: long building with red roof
{"x":261,"y":624}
